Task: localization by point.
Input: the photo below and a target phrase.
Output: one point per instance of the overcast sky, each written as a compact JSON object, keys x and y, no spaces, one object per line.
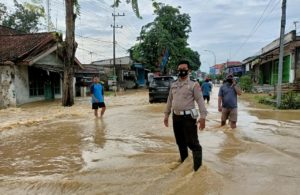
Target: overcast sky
{"x":229,"y":29}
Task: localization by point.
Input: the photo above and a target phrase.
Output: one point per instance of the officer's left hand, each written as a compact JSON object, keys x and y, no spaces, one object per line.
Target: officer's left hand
{"x":201,"y":122}
{"x":166,"y":121}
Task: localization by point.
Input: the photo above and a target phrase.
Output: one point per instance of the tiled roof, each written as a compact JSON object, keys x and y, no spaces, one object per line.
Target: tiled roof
{"x":90,"y":68}
{"x":8,"y":31}
{"x":22,"y":47}
{"x":219,"y":66}
{"x":233,"y":63}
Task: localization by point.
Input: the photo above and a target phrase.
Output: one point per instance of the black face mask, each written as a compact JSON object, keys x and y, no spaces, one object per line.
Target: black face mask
{"x":229,"y":81}
{"x":183,"y":73}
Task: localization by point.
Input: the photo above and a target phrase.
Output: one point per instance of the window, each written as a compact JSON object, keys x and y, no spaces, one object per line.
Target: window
{"x":36,"y":81}
{"x":41,"y":82}
{"x":56,"y":82}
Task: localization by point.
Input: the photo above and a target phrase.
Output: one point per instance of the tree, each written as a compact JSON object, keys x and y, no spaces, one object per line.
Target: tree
{"x":3,"y":11}
{"x":169,"y":31}
{"x":25,"y":18}
{"x":134,"y":4}
{"x":69,"y":57}
{"x":70,"y":46}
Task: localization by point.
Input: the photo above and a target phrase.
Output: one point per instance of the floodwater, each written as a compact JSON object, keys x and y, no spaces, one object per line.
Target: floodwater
{"x":49,"y":149}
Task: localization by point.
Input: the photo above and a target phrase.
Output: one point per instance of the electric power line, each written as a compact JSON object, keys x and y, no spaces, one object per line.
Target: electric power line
{"x":122,"y":47}
{"x":256,"y":26}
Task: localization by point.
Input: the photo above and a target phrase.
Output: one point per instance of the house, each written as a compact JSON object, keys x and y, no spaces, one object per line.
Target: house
{"x":251,"y":65}
{"x":84,"y":78}
{"x":31,"y":67}
{"x":141,"y":74}
{"x":8,"y":31}
{"x":125,"y":73}
{"x":217,"y":69}
{"x":264,"y":66}
{"x":234,"y":67}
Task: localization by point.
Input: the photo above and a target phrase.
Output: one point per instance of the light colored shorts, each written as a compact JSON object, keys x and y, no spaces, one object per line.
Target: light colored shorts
{"x":230,"y":114}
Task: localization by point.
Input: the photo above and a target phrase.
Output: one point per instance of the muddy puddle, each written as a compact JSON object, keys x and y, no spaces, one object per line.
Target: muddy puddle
{"x":49,"y":149}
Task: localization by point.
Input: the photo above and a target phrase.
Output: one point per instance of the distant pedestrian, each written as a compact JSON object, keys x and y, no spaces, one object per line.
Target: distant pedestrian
{"x":227,"y":101}
{"x":206,"y":89}
{"x":181,"y":102}
{"x":97,"y":92}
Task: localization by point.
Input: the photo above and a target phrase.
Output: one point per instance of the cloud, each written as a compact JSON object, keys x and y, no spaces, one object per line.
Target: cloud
{"x":225,"y":27}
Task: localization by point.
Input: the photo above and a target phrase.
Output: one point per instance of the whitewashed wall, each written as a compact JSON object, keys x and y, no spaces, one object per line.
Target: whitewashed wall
{"x":7,"y":87}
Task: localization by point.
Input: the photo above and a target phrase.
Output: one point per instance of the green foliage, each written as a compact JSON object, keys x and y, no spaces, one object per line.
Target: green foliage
{"x":77,"y":7}
{"x":220,"y":77}
{"x":169,"y":30}
{"x":134,"y":4}
{"x":3,"y":11}
{"x":267,"y":100}
{"x":246,"y":83}
{"x":25,"y":18}
{"x":290,"y":101}
{"x":212,"y":76}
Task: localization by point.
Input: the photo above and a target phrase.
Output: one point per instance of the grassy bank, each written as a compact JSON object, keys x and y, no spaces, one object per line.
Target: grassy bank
{"x":253,"y":100}
{"x":289,"y":100}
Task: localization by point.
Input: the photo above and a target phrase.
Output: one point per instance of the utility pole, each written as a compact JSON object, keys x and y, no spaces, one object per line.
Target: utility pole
{"x":295,"y":23}
{"x":48,"y":14}
{"x":114,"y":26}
{"x":213,"y":53}
{"x":91,"y":53}
{"x":281,"y":52}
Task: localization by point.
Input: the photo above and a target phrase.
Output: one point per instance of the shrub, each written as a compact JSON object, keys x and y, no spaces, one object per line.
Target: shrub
{"x":290,"y":101}
{"x":246,"y":83}
{"x":267,"y":100}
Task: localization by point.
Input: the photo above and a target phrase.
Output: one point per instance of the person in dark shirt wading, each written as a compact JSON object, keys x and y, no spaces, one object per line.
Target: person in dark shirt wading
{"x":227,"y":101}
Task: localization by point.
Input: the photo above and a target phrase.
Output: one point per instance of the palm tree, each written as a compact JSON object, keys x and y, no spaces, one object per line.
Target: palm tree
{"x":134,"y":4}
{"x":70,"y":47}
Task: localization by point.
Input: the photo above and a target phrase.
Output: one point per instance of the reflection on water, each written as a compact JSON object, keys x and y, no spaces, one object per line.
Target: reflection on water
{"x":49,"y":149}
{"x":100,"y":132}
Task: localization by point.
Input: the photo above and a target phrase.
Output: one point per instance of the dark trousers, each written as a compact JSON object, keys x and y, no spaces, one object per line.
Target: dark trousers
{"x":185,"y":130}
{"x":206,"y":97}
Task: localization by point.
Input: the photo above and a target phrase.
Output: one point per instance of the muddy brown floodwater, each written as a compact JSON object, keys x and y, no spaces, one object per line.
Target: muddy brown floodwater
{"x":49,"y":149}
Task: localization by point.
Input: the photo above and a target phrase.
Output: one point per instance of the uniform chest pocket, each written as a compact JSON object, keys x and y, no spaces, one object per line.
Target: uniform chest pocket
{"x":174,"y":90}
{"x":186,"y":92}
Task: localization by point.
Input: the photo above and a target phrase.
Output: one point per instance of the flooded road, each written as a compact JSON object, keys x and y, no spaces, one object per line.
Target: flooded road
{"x":49,"y":149}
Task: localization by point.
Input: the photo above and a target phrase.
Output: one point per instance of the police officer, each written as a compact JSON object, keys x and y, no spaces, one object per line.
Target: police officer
{"x":181,"y":102}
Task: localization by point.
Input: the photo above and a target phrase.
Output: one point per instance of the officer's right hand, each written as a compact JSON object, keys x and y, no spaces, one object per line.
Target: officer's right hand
{"x":166,"y":121}
{"x":201,"y":122}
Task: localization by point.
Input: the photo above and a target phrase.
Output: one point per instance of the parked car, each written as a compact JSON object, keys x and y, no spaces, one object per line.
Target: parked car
{"x":159,"y":88}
